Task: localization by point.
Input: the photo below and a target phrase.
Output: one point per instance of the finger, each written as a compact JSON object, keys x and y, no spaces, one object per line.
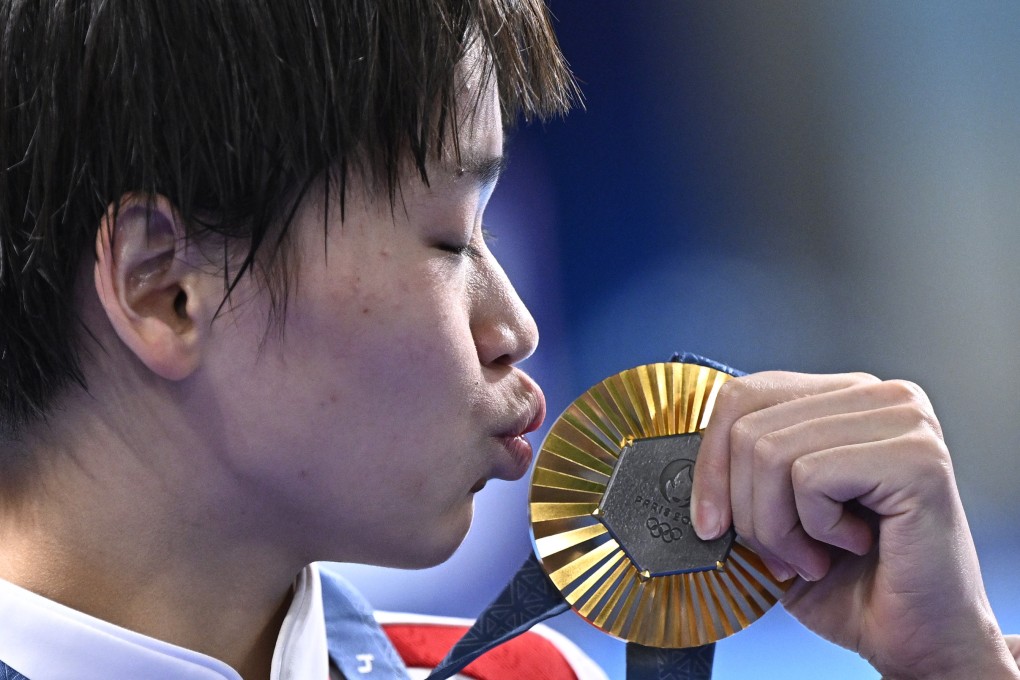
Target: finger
{"x":711,"y":493}
{"x":774,"y":521}
{"x":829,"y":520}
{"x":864,"y":396}
{"x":895,"y":478}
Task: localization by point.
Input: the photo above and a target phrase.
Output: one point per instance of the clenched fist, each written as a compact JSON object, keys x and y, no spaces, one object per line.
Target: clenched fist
{"x":844,"y":482}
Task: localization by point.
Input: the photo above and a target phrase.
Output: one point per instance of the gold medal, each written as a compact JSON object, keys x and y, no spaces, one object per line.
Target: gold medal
{"x":610,"y":514}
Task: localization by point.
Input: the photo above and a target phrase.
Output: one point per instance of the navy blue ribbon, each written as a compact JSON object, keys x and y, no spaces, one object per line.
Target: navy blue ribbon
{"x":8,"y":673}
{"x":529,"y":598}
{"x":697,"y":359}
{"x":651,"y":663}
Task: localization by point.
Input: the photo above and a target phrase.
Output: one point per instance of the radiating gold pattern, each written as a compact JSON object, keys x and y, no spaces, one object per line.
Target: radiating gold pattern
{"x":587,"y":564}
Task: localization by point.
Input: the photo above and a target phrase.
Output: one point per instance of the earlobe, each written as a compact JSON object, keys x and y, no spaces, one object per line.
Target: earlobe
{"x":152,"y":295}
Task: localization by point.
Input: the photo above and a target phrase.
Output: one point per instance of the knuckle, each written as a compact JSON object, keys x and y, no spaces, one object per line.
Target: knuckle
{"x":730,"y":394}
{"x":767,"y":453}
{"x":862,"y":378}
{"x":802,"y":472}
{"x":906,"y":391}
{"x":742,"y":434}
{"x":915,"y":409}
{"x":913,"y":417}
{"x":930,"y":464}
{"x":933,"y":459}
{"x":731,"y":387}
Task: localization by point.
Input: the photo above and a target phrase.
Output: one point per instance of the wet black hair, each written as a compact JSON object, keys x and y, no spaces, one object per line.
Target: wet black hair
{"x":230,"y":109}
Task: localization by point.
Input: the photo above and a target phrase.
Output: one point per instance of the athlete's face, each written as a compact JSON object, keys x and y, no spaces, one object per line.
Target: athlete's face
{"x":393,"y":393}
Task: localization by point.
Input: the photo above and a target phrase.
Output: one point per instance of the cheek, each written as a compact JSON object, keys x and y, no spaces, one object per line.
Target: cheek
{"x":406,"y":350}
{"x":414,"y":323}
{"x":415,"y":365}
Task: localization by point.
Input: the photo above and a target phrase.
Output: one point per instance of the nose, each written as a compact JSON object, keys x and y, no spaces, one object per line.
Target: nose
{"x":503,"y":328}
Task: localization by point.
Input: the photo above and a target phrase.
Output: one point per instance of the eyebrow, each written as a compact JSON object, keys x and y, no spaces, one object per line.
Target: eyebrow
{"x":485,"y":170}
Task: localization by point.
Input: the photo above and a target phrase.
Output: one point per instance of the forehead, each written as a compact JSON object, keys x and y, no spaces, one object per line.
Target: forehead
{"x":479,"y":132}
{"x":468,"y":146}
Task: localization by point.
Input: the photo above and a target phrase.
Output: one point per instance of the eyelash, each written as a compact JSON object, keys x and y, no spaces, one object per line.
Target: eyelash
{"x":468,"y":249}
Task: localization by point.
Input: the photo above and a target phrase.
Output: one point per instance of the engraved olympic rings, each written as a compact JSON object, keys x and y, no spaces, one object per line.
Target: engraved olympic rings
{"x":663,"y":530}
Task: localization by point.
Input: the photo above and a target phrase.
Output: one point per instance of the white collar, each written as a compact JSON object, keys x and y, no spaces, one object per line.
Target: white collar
{"x":301,"y":650}
{"x":42,"y":639}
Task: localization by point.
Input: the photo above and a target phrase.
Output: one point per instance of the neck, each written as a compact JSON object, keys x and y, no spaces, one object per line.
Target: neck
{"x":115,"y":537}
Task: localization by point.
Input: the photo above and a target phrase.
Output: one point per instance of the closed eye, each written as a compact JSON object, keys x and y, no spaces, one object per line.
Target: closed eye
{"x":467,"y":249}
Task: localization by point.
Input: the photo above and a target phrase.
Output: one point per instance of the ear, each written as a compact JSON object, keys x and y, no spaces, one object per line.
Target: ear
{"x":156,"y":299}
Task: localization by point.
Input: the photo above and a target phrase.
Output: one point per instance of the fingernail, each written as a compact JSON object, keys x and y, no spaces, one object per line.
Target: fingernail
{"x":805,"y":575}
{"x":781,"y":571}
{"x":706,"y":520}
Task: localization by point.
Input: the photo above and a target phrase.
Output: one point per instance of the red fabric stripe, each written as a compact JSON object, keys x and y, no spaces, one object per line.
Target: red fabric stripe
{"x":528,"y":655}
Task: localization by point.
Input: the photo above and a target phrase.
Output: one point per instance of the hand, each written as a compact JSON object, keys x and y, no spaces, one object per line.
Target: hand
{"x":845,"y":481}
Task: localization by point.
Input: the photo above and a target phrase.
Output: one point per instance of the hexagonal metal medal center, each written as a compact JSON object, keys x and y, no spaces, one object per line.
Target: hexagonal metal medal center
{"x":646,"y":508}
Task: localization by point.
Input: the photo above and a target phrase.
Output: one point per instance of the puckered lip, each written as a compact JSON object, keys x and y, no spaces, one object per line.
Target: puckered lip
{"x":532,"y":417}
{"x":518,"y":450}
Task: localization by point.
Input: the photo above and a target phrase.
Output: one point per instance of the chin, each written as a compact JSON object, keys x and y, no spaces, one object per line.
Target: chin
{"x":433,"y":558}
{"x":419,"y":555}
{"x":435,"y":553}
{"x":428,"y":546}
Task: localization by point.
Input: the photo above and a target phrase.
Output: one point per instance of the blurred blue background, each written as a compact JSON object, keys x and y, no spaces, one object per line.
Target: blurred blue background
{"x":813,"y":186}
